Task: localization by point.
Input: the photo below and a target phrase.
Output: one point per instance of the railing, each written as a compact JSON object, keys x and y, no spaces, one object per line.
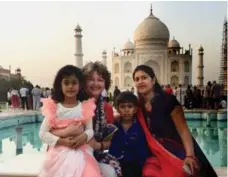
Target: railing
{"x":4,"y":105}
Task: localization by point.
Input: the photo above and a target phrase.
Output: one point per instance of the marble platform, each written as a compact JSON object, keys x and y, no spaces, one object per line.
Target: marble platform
{"x":29,"y":165}
{"x":203,"y":114}
{"x":24,"y":165}
{"x":10,"y":118}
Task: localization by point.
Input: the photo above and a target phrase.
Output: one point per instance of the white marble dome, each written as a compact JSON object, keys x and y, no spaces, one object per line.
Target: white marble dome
{"x":151,"y":29}
{"x":173,"y":43}
{"x":128,"y":45}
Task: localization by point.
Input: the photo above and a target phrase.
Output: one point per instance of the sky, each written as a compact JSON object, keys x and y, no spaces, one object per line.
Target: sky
{"x":38,"y":37}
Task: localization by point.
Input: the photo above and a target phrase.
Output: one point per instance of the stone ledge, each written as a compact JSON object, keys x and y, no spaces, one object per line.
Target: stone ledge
{"x":8,"y":114}
{"x":221,"y":171}
{"x":31,"y":164}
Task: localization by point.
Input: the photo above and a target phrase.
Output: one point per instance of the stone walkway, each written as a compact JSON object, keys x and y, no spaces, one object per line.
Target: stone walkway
{"x":5,"y":114}
{"x":221,"y":171}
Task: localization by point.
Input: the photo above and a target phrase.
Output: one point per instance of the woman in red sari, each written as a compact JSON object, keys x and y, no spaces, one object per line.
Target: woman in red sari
{"x":175,"y":152}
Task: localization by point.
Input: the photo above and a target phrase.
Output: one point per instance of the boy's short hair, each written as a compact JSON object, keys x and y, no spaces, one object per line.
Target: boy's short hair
{"x":126,"y":97}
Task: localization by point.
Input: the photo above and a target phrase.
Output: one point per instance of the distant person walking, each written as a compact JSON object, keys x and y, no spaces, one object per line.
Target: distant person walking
{"x":15,"y":98}
{"x":24,"y":99}
{"x":168,"y":89}
{"x":36,"y":92}
{"x":115,"y":94}
{"x":215,"y":92}
{"x":180,"y":94}
{"x":9,"y":98}
{"x":48,"y":92}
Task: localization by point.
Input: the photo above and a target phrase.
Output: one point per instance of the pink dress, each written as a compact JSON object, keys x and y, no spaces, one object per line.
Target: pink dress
{"x":62,"y":161}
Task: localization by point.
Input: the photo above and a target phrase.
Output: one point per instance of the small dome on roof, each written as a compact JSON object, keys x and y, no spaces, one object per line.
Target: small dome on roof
{"x":173,"y":43}
{"x":128,"y":45}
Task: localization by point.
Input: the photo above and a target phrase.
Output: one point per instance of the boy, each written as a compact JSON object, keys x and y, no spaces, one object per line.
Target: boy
{"x":129,"y":144}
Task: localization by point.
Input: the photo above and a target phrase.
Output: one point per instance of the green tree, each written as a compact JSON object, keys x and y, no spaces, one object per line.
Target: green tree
{"x":12,"y":83}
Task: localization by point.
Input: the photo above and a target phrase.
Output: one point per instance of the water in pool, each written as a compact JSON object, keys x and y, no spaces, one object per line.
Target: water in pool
{"x":212,"y":140}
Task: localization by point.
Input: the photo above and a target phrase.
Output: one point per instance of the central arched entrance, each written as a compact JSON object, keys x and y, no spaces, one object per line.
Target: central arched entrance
{"x":156,"y":68}
{"x":174,"y":81}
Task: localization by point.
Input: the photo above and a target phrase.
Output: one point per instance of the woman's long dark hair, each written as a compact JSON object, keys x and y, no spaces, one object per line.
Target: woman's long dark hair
{"x":66,"y":71}
{"x":158,"y":91}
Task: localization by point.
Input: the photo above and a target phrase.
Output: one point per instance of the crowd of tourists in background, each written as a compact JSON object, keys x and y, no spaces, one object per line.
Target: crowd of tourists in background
{"x":190,"y":97}
{"x":27,"y":99}
{"x":193,"y":97}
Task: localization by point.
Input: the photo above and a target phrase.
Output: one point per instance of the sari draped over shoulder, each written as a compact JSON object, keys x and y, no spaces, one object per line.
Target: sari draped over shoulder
{"x":165,"y":141}
{"x":164,"y":163}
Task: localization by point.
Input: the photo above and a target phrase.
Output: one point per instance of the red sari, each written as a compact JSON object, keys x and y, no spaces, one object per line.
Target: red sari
{"x":164,"y":163}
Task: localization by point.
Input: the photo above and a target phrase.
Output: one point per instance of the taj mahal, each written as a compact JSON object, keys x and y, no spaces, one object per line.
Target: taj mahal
{"x":152,"y":46}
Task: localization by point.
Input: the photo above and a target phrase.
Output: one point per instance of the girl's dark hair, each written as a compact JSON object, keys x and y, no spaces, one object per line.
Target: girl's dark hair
{"x":158,"y":91}
{"x":101,"y":69}
{"x":65,"y":71}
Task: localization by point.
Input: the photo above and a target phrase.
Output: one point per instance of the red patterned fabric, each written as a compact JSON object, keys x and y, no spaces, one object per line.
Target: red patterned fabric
{"x":108,"y":113}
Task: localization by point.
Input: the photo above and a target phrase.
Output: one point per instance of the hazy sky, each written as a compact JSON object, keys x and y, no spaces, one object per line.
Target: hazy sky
{"x":38,"y":37}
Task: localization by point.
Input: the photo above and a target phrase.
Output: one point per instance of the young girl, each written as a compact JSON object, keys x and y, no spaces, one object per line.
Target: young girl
{"x":68,"y":157}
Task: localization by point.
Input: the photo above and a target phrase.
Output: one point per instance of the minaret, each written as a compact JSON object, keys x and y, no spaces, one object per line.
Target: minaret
{"x":200,"y":67}
{"x":104,"y":58}
{"x":223,"y":62}
{"x":151,"y":10}
{"x":78,"y":47}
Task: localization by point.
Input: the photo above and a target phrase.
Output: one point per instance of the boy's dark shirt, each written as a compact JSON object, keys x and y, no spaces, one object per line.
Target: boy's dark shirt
{"x":130,"y":146}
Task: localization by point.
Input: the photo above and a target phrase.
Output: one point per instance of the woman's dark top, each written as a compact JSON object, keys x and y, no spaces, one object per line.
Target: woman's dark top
{"x":161,"y":125}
